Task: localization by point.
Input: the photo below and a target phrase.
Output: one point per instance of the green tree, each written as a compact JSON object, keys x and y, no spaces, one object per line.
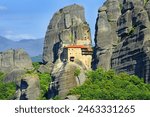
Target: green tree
{"x":45,"y":80}
{"x":107,"y":85}
{"x":7,"y":90}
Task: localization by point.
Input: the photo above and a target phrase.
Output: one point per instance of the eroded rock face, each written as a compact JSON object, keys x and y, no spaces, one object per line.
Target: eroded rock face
{"x":28,"y":87}
{"x":15,"y":64}
{"x":105,"y":36}
{"x":14,"y":59}
{"x":64,"y":78}
{"x":66,"y":27}
{"x":131,"y":52}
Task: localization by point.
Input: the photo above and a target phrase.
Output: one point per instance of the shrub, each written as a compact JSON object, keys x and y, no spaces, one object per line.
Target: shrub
{"x":45,"y":80}
{"x":7,"y":90}
{"x":77,"y":72}
{"x":36,"y":65}
{"x":107,"y":85}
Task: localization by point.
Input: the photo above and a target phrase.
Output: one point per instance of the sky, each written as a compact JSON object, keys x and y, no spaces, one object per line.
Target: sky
{"x":28,"y":19}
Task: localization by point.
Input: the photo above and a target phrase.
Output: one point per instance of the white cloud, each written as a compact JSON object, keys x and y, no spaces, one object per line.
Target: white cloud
{"x":16,"y":37}
{"x":3,"y":8}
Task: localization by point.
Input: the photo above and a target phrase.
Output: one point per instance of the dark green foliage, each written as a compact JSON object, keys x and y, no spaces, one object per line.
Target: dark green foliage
{"x":1,"y":76}
{"x":131,"y":31}
{"x":145,"y":1}
{"x":57,"y":97}
{"x":77,"y":72}
{"x":36,"y":65}
{"x":121,"y":5}
{"x":7,"y":90}
{"x":45,"y":80}
{"x":102,"y":85}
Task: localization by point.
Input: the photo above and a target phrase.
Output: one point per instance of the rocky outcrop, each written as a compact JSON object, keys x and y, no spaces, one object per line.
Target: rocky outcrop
{"x":14,"y":59}
{"x":28,"y":87}
{"x":131,"y":52}
{"x":47,"y":68}
{"x":67,"y":26}
{"x":15,"y":64}
{"x":105,"y":36}
{"x":72,"y":97}
{"x":64,"y":78}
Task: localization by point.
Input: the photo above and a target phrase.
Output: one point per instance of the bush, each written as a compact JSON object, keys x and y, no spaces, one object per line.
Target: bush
{"x":77,"y":72}
{"x":45,"y":80}
{"x":36,"y":65}
{"x":107,"y":85}
{"x":145,"y":1}
{"x":7,"y":90}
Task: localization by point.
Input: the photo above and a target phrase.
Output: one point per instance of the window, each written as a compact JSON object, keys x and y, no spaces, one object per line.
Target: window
{"x":72,"y":59}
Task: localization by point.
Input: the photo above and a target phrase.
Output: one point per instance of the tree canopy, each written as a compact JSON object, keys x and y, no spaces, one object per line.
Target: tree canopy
{"x":7,"y":90}
{"x":107,"y":85}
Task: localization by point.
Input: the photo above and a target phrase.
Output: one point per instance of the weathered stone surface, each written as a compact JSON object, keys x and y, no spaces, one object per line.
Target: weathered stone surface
{"x":131,"y":53}
{"x":134,"y":30}
{"x":147,"y":7}
{"x":47,"y":68}
{"x":28,"y":87}
{"x":72,"y":97}
{"x":64,"y":79}
{"x":66,"y":27}
{"x":105,"y":35}
{"x":14,"y":75}
{"x":15,"y":64}
{"x":14,"y":59}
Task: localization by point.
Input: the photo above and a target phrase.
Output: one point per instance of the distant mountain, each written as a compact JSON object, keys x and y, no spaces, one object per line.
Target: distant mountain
{"x":37,"y":58}
{"x":32,"y":46}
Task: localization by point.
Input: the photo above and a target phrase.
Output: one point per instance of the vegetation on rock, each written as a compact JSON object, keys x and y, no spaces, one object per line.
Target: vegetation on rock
{"x":107,"y":85}
{"x":77,"y":72}
{"x":7,"y":90}
{"x":45,"y":80}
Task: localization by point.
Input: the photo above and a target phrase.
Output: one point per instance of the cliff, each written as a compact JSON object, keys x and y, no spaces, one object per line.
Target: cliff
{"x":122,"y":37}
{"x":67,"y":27}
{"x":15,"y":64}
{"x":14,"y":59}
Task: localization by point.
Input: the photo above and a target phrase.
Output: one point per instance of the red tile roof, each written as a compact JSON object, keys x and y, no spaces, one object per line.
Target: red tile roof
{"x":76,"y":46}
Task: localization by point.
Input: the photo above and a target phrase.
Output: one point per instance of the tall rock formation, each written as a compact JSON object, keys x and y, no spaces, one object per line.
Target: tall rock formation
{"x":67,"y":27}
{"x":131,"y":54}
{"x":15,"y":64}
{"x":105,"y":36}
{"x":14,"y":59}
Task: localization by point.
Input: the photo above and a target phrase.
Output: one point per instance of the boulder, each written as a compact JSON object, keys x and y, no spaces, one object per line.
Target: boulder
{"x":47,"y":68}
{"x":64,"y":78}
{"x":72,"y":97}
{"x":28,"y":87}
{"x":15,"y":64}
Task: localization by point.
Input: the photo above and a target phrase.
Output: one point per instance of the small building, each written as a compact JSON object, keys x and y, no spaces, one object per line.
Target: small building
{"x":81,"y":53}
